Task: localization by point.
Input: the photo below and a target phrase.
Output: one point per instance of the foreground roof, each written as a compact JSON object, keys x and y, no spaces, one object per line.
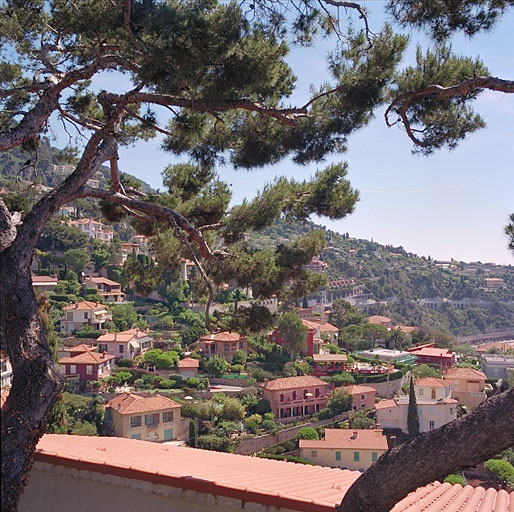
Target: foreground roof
{"x":251,"y":479}
{"x":293,"y":382}
{"x":128,"y":403}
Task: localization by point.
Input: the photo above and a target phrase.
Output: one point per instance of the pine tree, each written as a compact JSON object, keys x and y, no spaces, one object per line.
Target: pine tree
{"x":412,"y":413}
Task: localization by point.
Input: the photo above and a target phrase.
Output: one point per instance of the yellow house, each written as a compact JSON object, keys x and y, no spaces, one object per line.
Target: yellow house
{"x":345,"y":448}
{"x":151,"y":418}
{"x":467,"y":385}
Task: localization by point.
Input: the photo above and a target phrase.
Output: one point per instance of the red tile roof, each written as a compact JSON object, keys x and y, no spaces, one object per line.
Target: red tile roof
{"x":84,"y":305}
{"x":431,"y":351}
{"x":250,"y":479}
{"x":357,"y":389}
{"x":128,"y":403}
{"x":464,"y":373}
{"x":221,"y":336}
{"x":431,"y":382}
{"x":188,"y":362}
{"x":44,"y":279}
{"x":310,"y":325}
{"x":86,"y":358}
{"x":326,"y":327}
{"x":80,"y":349}
{"x":122,"y":336}
{"x":293,"y":382}
{"x":377,"y":319}
{"x":361,"y":439}
{"x":385,"y":404}
{"x":329,"y":358}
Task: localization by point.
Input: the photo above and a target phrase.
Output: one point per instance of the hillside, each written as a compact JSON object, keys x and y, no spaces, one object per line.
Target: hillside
{"x":402,"y":282}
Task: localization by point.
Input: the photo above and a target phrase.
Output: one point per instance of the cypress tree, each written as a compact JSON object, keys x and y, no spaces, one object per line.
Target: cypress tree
{"x":192,"y":434}
{"x":412,"y":413}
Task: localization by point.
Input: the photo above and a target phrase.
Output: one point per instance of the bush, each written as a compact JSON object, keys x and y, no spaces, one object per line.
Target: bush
{"x":501,"y":469}
{"x":239,"y":357}
{"x":268,"y":425}
{"x":361,"y":419}
{"x":215,"y":443}
{"x":252,"y":427}
{"x":193,"y":382}
{"x":139,"y":383}
{"x":269,"y":416}
{"x":456,"y":479}
{"x":340,"y":401}
{"x":123,"y":377}
{"x":124,"y":362}
{"x":263,"y":407}
{"x":237,"y":368}
{"x":233,"y":409}
{"x":325,"y":414}
{"x":307,"y":433}
{"x":166,"y":384}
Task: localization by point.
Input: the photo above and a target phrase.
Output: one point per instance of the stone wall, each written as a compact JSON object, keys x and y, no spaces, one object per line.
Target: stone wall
{"x":388,"y":389}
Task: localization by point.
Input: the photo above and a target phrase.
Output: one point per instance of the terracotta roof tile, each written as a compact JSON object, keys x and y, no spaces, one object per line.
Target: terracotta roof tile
{"x":362,"y":439}
{"x":431,"y":382}
{"x":86,"y":358}
{"x":377,"y":319}
{"x":102,"y":280}
{"x":44,"y":279}
{"x":431,"y":351}
{"x":326,"y":327}
{"x":222,"y":336}
{"x":122,"y":336}
{"x":356,"y":389}
{"x":320,"y":358}
{"x":79,"y":349}
{"x":385,"y":404}
{"x":309,"y":324}
{"x":464,"y":373}
{"x":293,"y":382}
{"x":251,"y":479}
{"x":188,"y":362}
{"x":128,"y":403}
{"x":84,"y":305}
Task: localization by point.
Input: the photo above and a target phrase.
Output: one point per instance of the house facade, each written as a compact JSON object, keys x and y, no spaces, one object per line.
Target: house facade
{"x":188,"y":367}
{"x":363,"y":397}
{"x":109,"y":290}
{"x":84,"y":313}
{"x":354,"y":449}
{"x":295,"y":397}
{"x":327,"y":364}
{"x":496,"y":366}
{"x":429,"y":354}
{"x":467,"y":385}
{"x":224,"y":344}
{"x":313,"y":343}
{"x":152,"y":418}
{"x":86,"y":366}
{"x":93,"y":229}
{"x":126,"y":344}
{"x":435,"y":406}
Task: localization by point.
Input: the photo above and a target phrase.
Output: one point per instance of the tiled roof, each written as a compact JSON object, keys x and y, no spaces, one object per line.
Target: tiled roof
{"x":464,"y":373}
{"x":431,"y":382}
{"x":86,"y":358}
{"x":326,"y":327}
{"x":310,"y":325}
{"x":250,"y":479}
{"x":222,"y":336}
{"x":330,"y":358}
{"x":356,"y":389}
{"x":293,"y":382}
{"x":79,"y":349}
{"x":84,"y":305}
{"x":102,"y":280}
{"x":122,"y":336}
{"x":385,"y":404}
{"x":128,"y":403}
{"x":188,"y":362}
{"x":407,"y":329}
{"x":360,"y":439}
{"x":44,"y":279}
{"x":432,"y":351}
{"x":502,"y":346}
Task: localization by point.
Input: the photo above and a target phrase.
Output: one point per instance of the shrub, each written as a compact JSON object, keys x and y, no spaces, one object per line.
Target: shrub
{"x":456,"y":479}
{"x":307,"y":433}
{"x":269,"y":416}
{"x":263,"y":407}
{"x":252,"y":427}
{"x":215,"y":443}
{"x":501,"y":469}
{"x":268,"y":425}
{"x":237,"y":368}
{"x":193,"y":382}
{"x":166,"y":384}
{"x":340,"y":401}
{"x":233,"y":409}
{"x":122,"y":377}
{"x":124,"y":362}
{"x":325,"y":414}
{"x":239,"y":358}
{"x":139,"y":383}
{"x":360,"y":419}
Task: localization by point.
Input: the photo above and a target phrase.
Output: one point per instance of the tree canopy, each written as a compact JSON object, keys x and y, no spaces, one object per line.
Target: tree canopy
{"x":212,"y":78}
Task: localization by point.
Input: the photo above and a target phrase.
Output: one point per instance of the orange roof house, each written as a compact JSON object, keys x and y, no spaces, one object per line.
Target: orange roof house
{"x":109,"y":290}
{"x":467,"y":385}
{"x":85,"y":366}
{"x":363,"y":397}
{"x":354,"y":449}
{"x":44,"y":283}
{"x":72,"y":468}
{"x":188,"y":367}
{"x":127,"y":344}
{"x":429,"y":354}
{"x":380,"y":320}
{"x":294,"y":397}
{"x":224,"y":344}
{"x":78,"y":314}
{"x":149,"y":418}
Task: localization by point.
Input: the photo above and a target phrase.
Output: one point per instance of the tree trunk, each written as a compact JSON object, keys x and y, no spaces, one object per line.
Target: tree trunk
{"x":431,"y":456}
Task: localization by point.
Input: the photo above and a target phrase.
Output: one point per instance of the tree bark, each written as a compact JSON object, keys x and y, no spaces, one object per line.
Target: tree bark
{"x":465,"y":442}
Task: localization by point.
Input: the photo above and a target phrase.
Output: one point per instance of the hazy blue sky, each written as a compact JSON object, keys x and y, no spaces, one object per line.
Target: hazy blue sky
{"x":453,"y":204}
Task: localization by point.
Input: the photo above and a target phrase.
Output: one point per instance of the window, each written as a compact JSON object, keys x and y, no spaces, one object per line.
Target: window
{"x":282,"y":397}
{"x":338,"y":455}
{"x":234,"y":346}
{"x":151,"y":419}
{"x":102,"y":347}
{"x":226,"y":348}
{"x":69,"y":317}
{"x":374,"y":456}
{"x":294,"y":395}
{"x":168,"y":434}
{"x":420,"y":391}
{"x":431,"y":410}
{"x":317,"y":393}
{"x":363,"y":397}
{"x":241,"y":344}
{"x":305,"y":391}
{"x":451,"y":410}
{"x":356,"y":456}
{"x":135,"y":421}
{"x":167,"y":416}
{"x":273,"y":338}
{"x":85,"y":315}
{"x":431,"y":425}
{"x":89,"y":369}
{"x":495,"y":372}
{"x":314,"y":453}
{"x":73,"y":368}
{"x":136,"y":436}
{"x":433,"y":394}
{"x":121,"y":349}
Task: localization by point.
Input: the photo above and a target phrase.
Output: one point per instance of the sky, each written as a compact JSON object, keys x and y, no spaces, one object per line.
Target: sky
{"x":452,"y":204}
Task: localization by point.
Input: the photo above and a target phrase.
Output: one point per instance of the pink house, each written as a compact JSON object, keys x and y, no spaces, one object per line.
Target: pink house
{"x":224,"y":344}
{"x":87,"y":366}
{"x":127,"y":344}
{"x":363,"y":397}
{"x":295,"y":397}
{"x":188,"y":367}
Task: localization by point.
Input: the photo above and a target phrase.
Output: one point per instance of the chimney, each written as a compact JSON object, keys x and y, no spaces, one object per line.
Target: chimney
{"x":392,"y":441}
{"x":355,"y":435}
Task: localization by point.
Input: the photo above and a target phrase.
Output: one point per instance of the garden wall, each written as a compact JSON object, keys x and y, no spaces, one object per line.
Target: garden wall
{"x":387,"y":389}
